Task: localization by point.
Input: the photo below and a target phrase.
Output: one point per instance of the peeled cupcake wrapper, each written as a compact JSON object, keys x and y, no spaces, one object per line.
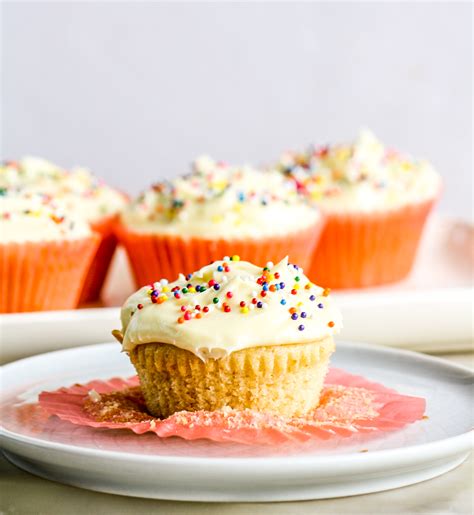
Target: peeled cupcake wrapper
{"x":350,"y":404}
{"x":155,"y":256}
{"x":39,"y":276}
{"x":362,"y":250}
{"x":99,"y":266}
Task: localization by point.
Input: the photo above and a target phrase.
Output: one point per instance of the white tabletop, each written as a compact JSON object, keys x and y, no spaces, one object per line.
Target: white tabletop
{"x":451,"y":493}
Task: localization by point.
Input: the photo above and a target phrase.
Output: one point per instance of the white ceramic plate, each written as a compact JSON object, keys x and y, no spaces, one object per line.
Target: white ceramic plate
{"x":147,"y":466}
{"x":430,"y":311}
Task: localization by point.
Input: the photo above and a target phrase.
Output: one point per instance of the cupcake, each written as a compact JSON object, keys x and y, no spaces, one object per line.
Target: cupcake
{"x":45,"y":253}
{"x":214,"y":211}
{"x":375,"y":201}
{"x":232,"y":334}
{"x":82,"y":193}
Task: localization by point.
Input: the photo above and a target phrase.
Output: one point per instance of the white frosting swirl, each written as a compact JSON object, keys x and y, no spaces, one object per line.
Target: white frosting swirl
{"x":27,"y":216}
{"x":78,"y":189}
{"x":221,"y":201}
{"x":362,"y":177}
{"x":230,"y":305}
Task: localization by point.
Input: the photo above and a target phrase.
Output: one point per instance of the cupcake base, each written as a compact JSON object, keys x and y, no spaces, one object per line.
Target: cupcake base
{"x":362,"y":250}
{"x":283,"y":379}
{"x":100,"y":264}
{"x":154,"y":256}
{"x":40,"y":276}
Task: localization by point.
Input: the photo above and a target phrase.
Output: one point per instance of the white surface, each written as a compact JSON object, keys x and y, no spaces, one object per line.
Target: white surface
{"x":125,"y":463}
{"x":430,"y":311}
{"x":137,"y":89}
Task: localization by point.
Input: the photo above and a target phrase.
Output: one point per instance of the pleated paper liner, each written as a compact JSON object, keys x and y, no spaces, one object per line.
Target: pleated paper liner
{"x":155,"y":256}
{"x":37,"y":276}
{"x":100,"y":263}
{"x":349,"y":404}
{"x":362,"y":250}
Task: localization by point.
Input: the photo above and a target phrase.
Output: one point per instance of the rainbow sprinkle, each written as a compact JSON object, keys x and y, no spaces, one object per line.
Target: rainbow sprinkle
{"x":266,"y":285}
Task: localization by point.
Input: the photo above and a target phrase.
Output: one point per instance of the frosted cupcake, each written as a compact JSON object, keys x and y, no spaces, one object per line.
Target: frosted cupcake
{"x":45,"y":253}
{"x":375,"y":202}
{"x":82,"y":193}
{"x":214,"y":211}
{"x":231,"y":334}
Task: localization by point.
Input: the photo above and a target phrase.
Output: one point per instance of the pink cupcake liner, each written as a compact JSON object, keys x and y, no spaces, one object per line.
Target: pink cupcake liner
{"x":349,"y":404}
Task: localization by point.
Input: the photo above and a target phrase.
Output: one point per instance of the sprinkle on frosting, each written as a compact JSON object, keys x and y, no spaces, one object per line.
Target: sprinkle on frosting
{"x":230,"y":305}
{"x":362,"y":176}
{"x":78,"y":189}
{"x":219,"y":200}
{"x":29,"y":216}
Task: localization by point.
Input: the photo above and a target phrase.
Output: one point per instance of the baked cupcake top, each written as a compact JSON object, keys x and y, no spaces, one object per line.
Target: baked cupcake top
{"x":221,"y":201}
{"x":78,"y":189}
{"x":28,"y":216}
{"x":362,"y":176}
{"x":230,"y":305}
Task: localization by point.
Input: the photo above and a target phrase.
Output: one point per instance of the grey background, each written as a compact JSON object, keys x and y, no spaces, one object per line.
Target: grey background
{"x":137,"y":90}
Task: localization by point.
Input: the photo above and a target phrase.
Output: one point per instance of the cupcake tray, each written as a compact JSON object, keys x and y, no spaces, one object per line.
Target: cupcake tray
{"x":430,"y":311}
{"x":145,"y":465}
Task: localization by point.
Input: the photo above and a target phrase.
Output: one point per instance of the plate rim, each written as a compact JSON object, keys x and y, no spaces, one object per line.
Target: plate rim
{"x":368,"y":346}
{"x":436,"y":449}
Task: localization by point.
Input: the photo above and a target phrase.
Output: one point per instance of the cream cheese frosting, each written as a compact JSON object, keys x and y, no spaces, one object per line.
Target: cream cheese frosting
{"x":78,"y":189}
{"x":364,"y":176}
{"x":230,"y":305}
{"x":221,"y":201}
{"x":28,"y":216}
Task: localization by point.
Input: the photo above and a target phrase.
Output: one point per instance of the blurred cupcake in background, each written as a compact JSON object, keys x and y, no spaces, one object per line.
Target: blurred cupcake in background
{"x":217,"y":210}
{"x":375,"y":201}
{"x":45,"y":253}
{"x":86,"y":196}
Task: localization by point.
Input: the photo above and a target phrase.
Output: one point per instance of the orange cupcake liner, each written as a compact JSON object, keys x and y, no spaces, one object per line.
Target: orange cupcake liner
{"x":363,"y":250}
{"x":40,"y":276}
{"x":155,"y":256}
{"x":100,"y":263}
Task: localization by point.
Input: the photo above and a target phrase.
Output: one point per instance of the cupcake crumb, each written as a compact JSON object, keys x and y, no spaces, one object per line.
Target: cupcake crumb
{"x":94,"y":396}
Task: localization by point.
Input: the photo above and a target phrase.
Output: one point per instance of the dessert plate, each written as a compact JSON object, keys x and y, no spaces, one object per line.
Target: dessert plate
{"x":124,"y":463}
{"x":400,"y":315}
